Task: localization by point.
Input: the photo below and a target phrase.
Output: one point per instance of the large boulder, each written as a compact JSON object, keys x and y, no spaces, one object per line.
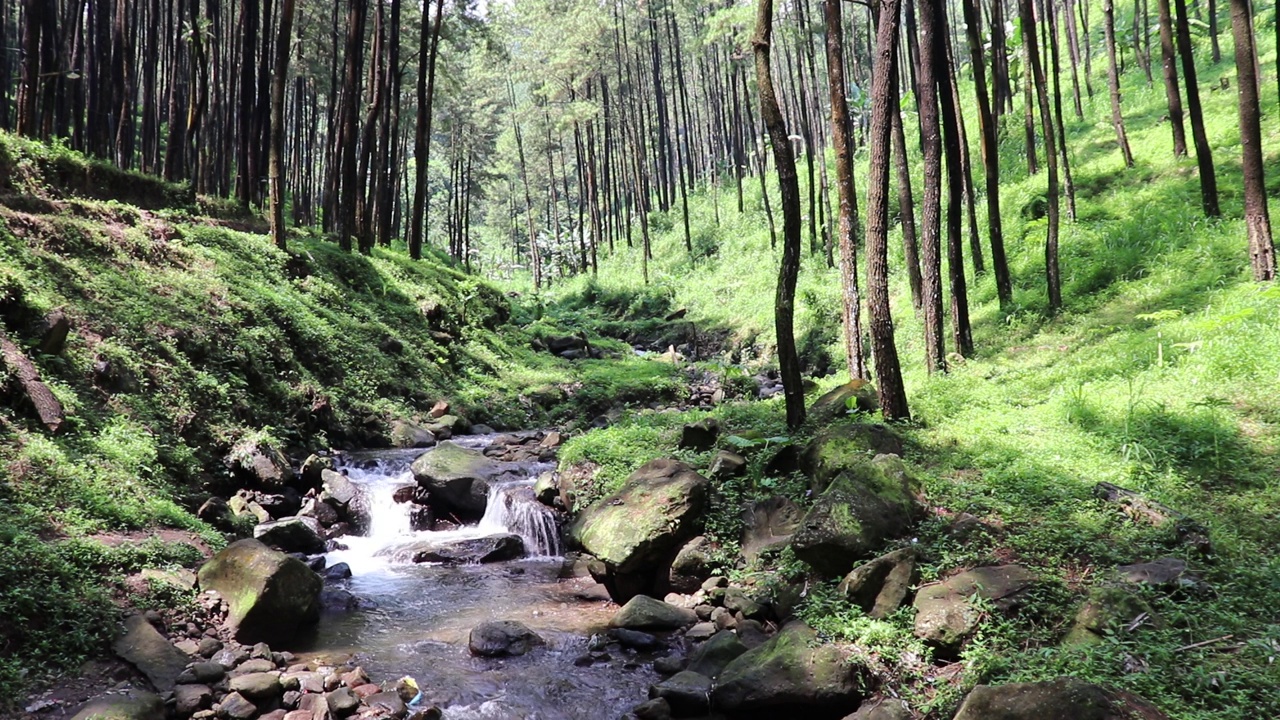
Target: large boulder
{"x":502,"y":638}
{"x":130,"y":705}
{"x":637,"y":531}
{"x":270,"y":595}
{"x":459,"y":551}
{"x":791,"y":675}
{"x":687,"y":693}
{"x":946,"y":617}
{"x":882,"y":585}
{"x":1061,"y":699}
{"x":713,"y":656}
{"x":768,"y":524}
{"x":405,"y":434}
{"x":691,"y":566}
{"x":261,"y":462}
{"x":835,"y":404}
{"x":867,"y":504}
{"x":645,"y":613}
{"x":841,"y":447}
{"x":150,"y":652}
{"x":346,"y":498}
{"x":456,"y":478}
{"x":292,"y":534}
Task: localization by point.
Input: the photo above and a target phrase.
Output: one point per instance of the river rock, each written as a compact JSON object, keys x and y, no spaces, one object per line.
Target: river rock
{"x":866,"y":505}
{"x":713,"y":656}
{"x":635,"y":639}
{"x":312,"y":467}
{"x":1061,"y":699}
{"x":236,"y":707}
{"x":839,"y":448}
{"x":346,"y":498}
{"x":637,"y":531}
{"x":463,"y":551}
{"x":944,"y":615}
{"x":405,"y":434}
{"x":258,"y":686}
{"x":217,"y":513}
{"x":502,"y":638}
{"x":262,"y":462}
{"x":130,"y":705}
{"x":701,"y":435}
{"x":292,"y":534}
{"x":342,"y":702}
{"x":691,"y":566}
{"x":645,"y":613}
{"x":456,"y":478}
{"x":269,"y":594}
{"x":687,"y":693}
{"x":388,"y":705}
{"x":835,"y":404}
{"x":152,"y":653}
{"x":789,"y":676}
{"x":768,"y":524}
{"x":187,"y":699}
{"x":547,"y":488}
{"x":882,"y":585}
{"x":884,"y":709}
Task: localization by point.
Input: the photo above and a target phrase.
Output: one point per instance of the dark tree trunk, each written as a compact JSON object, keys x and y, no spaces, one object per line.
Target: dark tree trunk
{"x":784,"y":303}
{"x":428,"y":48}
{"x":906,"y":205}
{"x":1204,"y":155}
{"x":1068,"y":184}
{"x":1052,"y":275}
{"x":1257,"y":219}
{"x":962,"y":334}
{"x":276,"y":160}
{"x":931,"y":203}
{"x":1113,"y":81}
{"x":1169,"y":70}
{"x":990,"y":153}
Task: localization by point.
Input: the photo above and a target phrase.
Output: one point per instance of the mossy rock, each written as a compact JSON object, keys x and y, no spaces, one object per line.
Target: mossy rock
{"x":835,"y":403}
{"x":841,"y":447}
{"x":866,"y":505}
{"x":270,"y":595}
{"x":1107,"y":610}
{"x":789,"y":675}
{"x":456,"y":477}
{"x":1061,"y":699}
{"x":132,"y":705}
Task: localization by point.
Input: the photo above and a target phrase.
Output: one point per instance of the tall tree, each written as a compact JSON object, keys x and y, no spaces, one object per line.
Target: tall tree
{"x":1113,"y":81}
{"x":1204,"y":155}
{"x":893,"y":397}
{"x":1169,"y":69}
{"x":428,"y":48}
{"x":789,"y":185}
{"x":1257,"y":219}
{"x":284,"y":42}
{"x":931,"y":201}
{"x":1052,"y":274}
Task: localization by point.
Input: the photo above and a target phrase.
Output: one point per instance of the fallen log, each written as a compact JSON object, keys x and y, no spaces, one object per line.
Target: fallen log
{"x":47,"y":407}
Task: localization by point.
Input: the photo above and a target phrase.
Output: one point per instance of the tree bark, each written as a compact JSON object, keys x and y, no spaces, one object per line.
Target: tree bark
{"x":428,"y":47}
{"x":1169,"y":70}
{"x":276,"y":160}
{"x":1113,"y":81}
{"x":1204,"y":155}
{"x":1257,"y":219}
{"x":990,"y":153}
{"x":1052,"y":276}
{"x":931,"y":202}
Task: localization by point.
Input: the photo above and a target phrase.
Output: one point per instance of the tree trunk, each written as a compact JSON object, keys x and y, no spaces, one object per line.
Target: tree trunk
{"x":428,"y":47}
{"x":962,"y":334}
{"x":1169,"y":70}
{"x":1257,"y":219}
{"x":789,"y":270}
{"x":1052,"y":275}
{"x":931,"y":202}
{"x":1204,"y":155}
{"x":276,"y":161}
{"x":990,"y":153}
{"x":1113,"y":81}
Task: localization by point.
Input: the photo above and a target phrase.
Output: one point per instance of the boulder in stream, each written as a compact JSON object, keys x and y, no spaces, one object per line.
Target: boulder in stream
{"x":459,"y":551}
{"x":270,"y":595}
{"x":292,"y":534}
{"x":502,"y":638}
{"x":645,"y":613}
{"x":129,"y":705}
{"x":457,"y":478}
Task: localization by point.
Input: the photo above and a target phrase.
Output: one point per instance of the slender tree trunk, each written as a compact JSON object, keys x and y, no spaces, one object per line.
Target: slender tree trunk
{"x":1213,"y":31}
{"x":848,"y":227}
{"x":1073,"y":51}
{"x":906,"y":205}
{"x":428,"y":47}
{"x":784,"y":303}
{"x":1169,"y":70}
{"x":893,"y":397}
{"x":1113,"y":81}
{"x":1204,"y":155}
{"x":1257,"y":219}
{"x":931,"y":203}
{"x":351,"y":122}
{"x":276,"y":160}
{"x":962,"y":334}
{"x":990,"y":153}
{"x":1052,"y":275}
{"x":1068,"y":183}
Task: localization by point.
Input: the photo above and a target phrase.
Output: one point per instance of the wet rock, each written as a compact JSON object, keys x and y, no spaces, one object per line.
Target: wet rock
{"x":547,"y":488}
{"x":345,"y":497}
{"x":835,"y":404}
{"x":388,"y":704}
{"x":187,"y":699}
{"x":292,"y":534}
{"x":866,"y":505}
{"x":130,"y":705}
{"x":691,"y":566}
{"x":339,"y":571}
{"x":405,"y":434}
{"x":1061,"y":699}
{"x":337,"y":601}
{"x":686,"y":692}
{"x":313,"y":466}
{"x":259,"y":686}
{"x":882,"y":585}
{"x":456,"y":478}
{"x":261,"y":462}
{"x":491,"y":548}
{"x":701,"y":435}
{"x":789,"y":675}
{"x":645,"y":613}
{"x":323,"y":512}
{"x":236,"y":707}
{"x":669,"y":665}
{"x":655,"y":709}
{"x":342,"y":702}
{"x":1107,"y":611}
{"x":635,"y":639}
{"x":502,"y":638}
{"x":840,"y":448}
{"x":152,"y":653}
{"x":885,"y":709}
{"x":269,"y":594}
{"x":944,"y":615}
{"x":713,"y":656}
{"x":636,"y":532}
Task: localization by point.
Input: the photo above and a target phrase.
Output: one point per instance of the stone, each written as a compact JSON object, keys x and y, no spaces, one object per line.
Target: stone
{"x":1107,"y":610}
{"x":235,"y":706}
{"x":726,"y":465}
{"x":713,"y":656}
{"x":337,"y":571}
{"x":131,"y":705}
{"x":788,"y":676}
{"x":735,"y":600}
{"x":784,"y":462}
{"x":405,"y":434}
{"x":262,"y":462}
{"x":635,"y":639}
{"x":269,"y":594}
{"x":346,"y":498}
{"x":835,"y":404}
{"x":207,"y":672}
{"x":256,"y":665}
{"x":257,"y":686}
{"x":388,"y":704}
{"x":547,"y":488}
{"x":637,"y":531}
{"x":456,"y":478}
{"x":881,"y":586}
{"x":299,"y":715}
{"x":151,"y":652}
{"x":450,"y":425}
{"x":884,"y":709}
{"x":839,"y":448}
{"x":312,"y":467}
{"x":701,"y":631}
{"x":669,"y":665}
{"x":1061,"y":699}
{"x":187,"y":699}
{"x":1166,"y":573}
{"x":439,"y":410}
{"x":231,"y":657}
{"x":54,"y":327}
{"x":686,"y":692}
{"x":462,"y":551}
{"x":691,"y":566}
{"x":342,"y":702}
{"x":944,"y":615}
{"x":645,"y":613}
{"x":655,"y":709}
{"x":292,"y":534}
{"x":217,"y":513}
{"x":306,"y":681}
{"x":700,"y":436}
{"x":354,"y":678}
{"x":502,"y":638}
{"x":866,"y":505}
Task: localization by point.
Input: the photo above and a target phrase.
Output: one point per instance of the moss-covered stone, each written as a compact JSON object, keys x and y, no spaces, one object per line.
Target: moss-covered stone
{"x":1107,"y":610}
{"x":269,"y":594}
{"x":790,"y":674}
{"x":1061,"y":699}
{"x":842,"y":447}
{"x":456,"y":477}
{"x":835,"y":404}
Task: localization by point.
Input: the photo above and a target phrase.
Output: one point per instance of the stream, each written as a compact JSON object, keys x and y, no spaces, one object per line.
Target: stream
{"x":420,"y":615}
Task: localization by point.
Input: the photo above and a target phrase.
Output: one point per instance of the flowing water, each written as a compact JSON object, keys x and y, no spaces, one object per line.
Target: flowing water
{"x":422,"y":614}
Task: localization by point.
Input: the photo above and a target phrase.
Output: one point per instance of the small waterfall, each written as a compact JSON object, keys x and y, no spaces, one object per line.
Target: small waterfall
{"x":512,"y":508}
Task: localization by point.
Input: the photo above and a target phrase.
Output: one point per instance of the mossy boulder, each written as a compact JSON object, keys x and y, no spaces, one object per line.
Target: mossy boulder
{"x":946,"y":617}
{"x":457,"y":478}
{"x":835,"y":404}
{"x":406,"y":434}
{"x":866,"y":505}
{"x":260,"y":462}
{"x":788,"y":676}
{"x":645,"y":613}
{"x":269,"y":594}
{"x":1061,"y":699}
{"x":841,"y":447}
{"x":292,"y":534}
{"x":636,"y":532}
{"x":131,"y":705}
{"x":1107,"y":610}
